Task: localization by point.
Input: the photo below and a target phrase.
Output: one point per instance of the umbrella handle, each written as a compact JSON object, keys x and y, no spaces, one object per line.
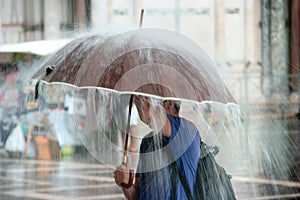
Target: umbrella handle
{"x":131,"y":173}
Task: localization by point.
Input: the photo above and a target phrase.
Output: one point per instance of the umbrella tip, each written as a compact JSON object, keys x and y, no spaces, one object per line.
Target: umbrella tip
{"x":49,"y":69}
{"x":141,"y":18}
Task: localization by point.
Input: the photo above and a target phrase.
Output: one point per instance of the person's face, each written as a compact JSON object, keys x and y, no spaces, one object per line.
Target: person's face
{"x":152,"y":115}
{"x":143,"y":106}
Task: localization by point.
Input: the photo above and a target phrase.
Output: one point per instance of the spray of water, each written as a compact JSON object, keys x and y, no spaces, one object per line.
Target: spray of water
{"x":94,"y":116}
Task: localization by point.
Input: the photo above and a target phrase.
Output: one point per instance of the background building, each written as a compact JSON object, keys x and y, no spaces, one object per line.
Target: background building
{"x":258,"y":37}
{"x":255,"y":44}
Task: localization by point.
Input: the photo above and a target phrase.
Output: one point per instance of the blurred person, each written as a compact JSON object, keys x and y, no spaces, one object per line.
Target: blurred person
{"x":183,"y":140}
{"x":57,"y":119}
{"x":8,"y":122}
{"x":10,"y":92}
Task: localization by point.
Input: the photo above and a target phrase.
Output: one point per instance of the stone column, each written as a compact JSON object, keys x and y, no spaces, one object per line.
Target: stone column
{"x":219,"y":31}
{"x":274,"y":46}
{"x":1,"y":34}
{"x":295,"y":41}
{"x":279,"y":37}
{"x":80,"y":15}
{"x":109,"y":11}
{"x":265,"y":45}
{"x":249,"y":31}
{"x":257,"y":17}
{"x":52,"y":20}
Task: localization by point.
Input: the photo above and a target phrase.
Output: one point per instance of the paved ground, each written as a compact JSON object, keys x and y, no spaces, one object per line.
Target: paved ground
{"x":64,"y":180}
{"x":272,"y":172}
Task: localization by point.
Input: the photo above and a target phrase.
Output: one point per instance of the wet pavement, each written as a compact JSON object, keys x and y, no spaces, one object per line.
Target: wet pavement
{"x":276,"y":175}
{"x":62,"y":180}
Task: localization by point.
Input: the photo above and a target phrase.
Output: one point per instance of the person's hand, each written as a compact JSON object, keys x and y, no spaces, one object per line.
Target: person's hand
{"x":121,"y":175}
{"x":124,"y":178}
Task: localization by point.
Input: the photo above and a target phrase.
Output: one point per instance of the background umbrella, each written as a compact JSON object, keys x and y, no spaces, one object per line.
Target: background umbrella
{"x":155,"y":62}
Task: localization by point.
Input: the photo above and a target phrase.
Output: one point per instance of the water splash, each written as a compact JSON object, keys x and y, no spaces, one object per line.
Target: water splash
{"x":259,"y":153}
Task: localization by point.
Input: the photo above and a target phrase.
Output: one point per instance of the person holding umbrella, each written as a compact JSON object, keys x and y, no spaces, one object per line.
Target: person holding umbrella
{"x":148,"y":61}
{"x":176,"y":140}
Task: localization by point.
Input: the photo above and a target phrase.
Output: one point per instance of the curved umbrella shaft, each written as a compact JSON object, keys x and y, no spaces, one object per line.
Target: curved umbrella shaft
{"x":127,"y":131}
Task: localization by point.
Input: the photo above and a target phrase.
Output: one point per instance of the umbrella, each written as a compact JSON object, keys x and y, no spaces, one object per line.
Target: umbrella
{"x":156,"y":62}
{"x":143,"y":60}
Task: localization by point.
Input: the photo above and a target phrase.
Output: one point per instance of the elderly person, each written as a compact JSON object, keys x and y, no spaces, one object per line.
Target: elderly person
{"x":183,"y":141}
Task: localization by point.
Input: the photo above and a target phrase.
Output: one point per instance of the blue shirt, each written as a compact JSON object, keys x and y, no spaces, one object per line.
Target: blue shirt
{"x":156,"y":174}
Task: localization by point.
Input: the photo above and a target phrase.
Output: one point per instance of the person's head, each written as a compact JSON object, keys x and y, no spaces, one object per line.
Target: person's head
{"x":150,"y":114}
{"x":172,"y":107}
{"x":143,"y":106}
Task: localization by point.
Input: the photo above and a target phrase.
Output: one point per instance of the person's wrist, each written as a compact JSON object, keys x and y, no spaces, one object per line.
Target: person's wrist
{"x":125,"y":188}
